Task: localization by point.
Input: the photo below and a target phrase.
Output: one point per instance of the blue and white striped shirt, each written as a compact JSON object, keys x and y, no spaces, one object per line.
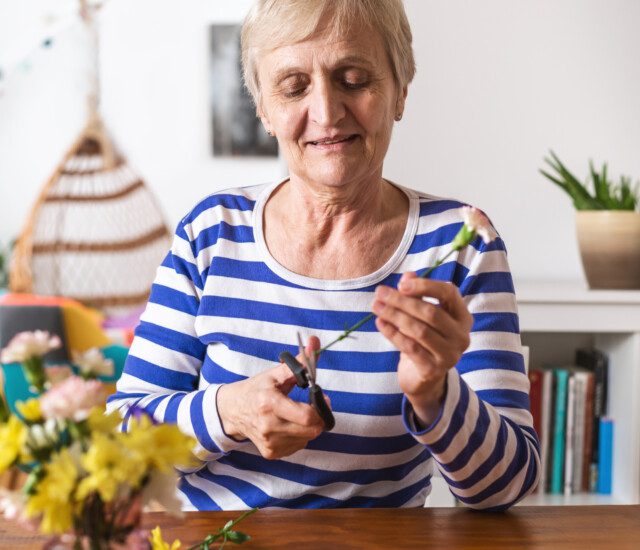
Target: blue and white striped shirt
{"x":222,"y":309}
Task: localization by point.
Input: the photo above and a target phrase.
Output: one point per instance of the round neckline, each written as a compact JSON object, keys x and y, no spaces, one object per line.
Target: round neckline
{"x":334,"y":284}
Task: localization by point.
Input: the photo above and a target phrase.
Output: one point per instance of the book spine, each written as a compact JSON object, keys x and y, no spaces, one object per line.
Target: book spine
{"x":535,"y":399}
{"x":588,"y":432}
{"x":578,"y":437}
{"x":605,"y":464}
{"x":569,"y":435}
{"x":557,"y":467}
{"x":546,"y":428}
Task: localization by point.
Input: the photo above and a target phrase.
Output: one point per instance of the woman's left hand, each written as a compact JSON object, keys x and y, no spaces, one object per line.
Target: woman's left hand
{"x":431,"y":338}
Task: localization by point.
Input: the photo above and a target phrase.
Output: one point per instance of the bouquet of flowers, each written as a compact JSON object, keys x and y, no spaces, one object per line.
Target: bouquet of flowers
{"x":85,"y":480}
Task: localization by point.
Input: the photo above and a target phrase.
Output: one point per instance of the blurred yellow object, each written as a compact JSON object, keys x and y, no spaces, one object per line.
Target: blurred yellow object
{"x":82,"y":326}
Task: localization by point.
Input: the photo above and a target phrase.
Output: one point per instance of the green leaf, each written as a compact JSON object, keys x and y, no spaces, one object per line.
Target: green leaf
{"x":238,"y":537}
{"x":582,"y":200}
{"x":227,"y":525}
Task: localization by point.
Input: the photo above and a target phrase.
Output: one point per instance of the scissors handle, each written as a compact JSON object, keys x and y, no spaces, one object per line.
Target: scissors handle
{"x":296,"y":368}
{"x":316,"y":399}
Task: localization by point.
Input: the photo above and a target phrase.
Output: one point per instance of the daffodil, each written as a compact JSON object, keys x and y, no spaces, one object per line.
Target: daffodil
{"x":103,"y":423}
{"x":158,"y":543}
{"x":30,"y":410}
{"x":108,"y":465}
{"x":12,"y":437}
{"x":53,"y":497}
{"x":163,"y":446}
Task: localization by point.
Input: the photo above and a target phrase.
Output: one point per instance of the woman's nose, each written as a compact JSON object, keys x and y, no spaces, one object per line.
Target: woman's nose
{"x":326,"y":106}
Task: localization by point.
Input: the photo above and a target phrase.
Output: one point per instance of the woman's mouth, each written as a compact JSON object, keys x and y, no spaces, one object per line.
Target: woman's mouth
{"x":335,"y":142}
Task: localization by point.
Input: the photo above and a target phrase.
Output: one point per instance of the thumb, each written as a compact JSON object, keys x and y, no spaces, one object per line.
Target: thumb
{"x":313,"y":345}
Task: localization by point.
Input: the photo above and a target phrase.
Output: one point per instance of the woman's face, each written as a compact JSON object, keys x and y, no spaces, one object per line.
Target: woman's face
{"x":332,"y":105}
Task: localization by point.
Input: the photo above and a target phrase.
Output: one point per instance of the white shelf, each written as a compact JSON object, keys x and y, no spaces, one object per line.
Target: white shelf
{"x":557,"y":317}
{"x":571,"y":307}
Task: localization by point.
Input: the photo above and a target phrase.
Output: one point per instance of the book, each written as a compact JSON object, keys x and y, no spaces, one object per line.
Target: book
{"x":561,"y":376}
{"x":535,"y":399}
{"x":581,"y":381}
{"x":595,"y":361}
{"x":605,"y":463}
{"x":569,"y":434}
{"x":546,"y":429}
{"x":588,"y":431}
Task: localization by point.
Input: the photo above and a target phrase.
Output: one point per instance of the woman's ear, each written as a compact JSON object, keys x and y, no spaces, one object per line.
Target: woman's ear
{"x":402,"y":96}
{"x":264,"y":119}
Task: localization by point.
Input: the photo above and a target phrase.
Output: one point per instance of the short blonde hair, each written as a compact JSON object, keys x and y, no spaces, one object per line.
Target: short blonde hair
{"x":274,"y":23}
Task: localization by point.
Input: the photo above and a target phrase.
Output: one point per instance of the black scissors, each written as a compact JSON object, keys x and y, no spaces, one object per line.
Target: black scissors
{"x":306,"y":378}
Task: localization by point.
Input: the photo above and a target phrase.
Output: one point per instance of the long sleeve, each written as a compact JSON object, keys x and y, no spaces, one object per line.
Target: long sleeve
{"x":161,"y":374}
{"x":483,"y":440}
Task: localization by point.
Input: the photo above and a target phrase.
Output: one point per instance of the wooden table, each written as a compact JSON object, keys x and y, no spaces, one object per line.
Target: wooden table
{"x":558,"y":527}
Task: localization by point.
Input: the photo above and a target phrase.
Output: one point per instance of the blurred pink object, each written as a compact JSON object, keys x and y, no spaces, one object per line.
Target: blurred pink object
{"x":72,"y":399}
{"x":58,"y":373}
{"x":25,"y":345}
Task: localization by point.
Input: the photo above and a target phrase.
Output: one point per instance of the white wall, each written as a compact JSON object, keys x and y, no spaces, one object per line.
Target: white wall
{"x":499,"y":82}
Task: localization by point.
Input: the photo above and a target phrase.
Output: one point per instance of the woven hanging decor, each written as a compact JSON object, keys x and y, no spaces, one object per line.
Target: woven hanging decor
{"x":95,"y":233}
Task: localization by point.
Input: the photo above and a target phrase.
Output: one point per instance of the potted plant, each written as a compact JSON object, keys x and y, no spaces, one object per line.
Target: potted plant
{"x":607,"y":225}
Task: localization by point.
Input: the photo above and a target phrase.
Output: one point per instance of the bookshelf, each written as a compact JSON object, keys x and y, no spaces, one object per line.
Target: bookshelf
{"x":555,"y":319}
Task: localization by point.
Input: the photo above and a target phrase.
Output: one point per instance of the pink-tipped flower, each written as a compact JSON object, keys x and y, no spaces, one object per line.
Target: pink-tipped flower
{"x":72,"y":399}
{"x":58,"y":373}
{"x":25,"y":345}
{"x":92,"y":363}
{"x":475,"y":220}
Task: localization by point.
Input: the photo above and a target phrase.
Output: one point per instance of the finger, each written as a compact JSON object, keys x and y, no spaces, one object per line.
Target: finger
{"x":436,"y":339}
{"x":434,"y":342}
{"x":284,"y":429}
{"x":447,"y":294}
{"x":289,"y":410}
{"x":395,"y":303}
{"x":404,"y":344}
{"x":282,"y":378}
{"x":313,"y":345}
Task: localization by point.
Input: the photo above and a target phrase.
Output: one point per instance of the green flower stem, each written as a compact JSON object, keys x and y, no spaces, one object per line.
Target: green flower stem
{"x":222,"y":532}
{"x":345,"y":334}
{"x":4,"y":410}
{"x":34,"y":373}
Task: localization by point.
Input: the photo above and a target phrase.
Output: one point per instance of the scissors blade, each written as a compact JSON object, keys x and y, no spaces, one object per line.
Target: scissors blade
{"x":305,"y":359}
{"x":312,"y":365}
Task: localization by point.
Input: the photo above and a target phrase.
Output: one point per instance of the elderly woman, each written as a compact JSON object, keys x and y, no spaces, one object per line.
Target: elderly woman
{"x":437,"y":380}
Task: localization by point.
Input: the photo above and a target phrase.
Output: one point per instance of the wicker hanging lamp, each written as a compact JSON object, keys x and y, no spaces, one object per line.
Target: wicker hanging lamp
{"x":95,"y":233}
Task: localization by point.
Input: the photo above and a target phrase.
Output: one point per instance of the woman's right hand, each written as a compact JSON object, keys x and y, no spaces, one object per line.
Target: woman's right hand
{"x":259,"y":409}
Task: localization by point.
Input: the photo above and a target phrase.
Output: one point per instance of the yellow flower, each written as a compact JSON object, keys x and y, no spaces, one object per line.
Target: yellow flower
{"x":12,"y":437}
{"x":108,"y":465}
{"x":105,"y":423}
{"x":30,"y":410}
{"x":162,"y":446}
{"x":53,"y":496}
{"x":157,"y":542}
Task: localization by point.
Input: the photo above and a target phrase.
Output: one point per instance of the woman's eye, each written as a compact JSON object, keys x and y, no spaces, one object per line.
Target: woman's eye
{"x":293,"y":92}
{"x":351,"y":85}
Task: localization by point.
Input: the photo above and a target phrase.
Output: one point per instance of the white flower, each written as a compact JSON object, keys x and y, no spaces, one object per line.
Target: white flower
{"x":161,"y":489}
{"x":43,"y":436}
{"x":475,"y":220}
{"x":73,"y":399}
{"x":12,"y":504}
{"x":26,"y":345}
{"x":92,"y":362}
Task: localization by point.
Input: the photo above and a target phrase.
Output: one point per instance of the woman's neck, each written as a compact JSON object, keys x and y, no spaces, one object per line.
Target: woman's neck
{"x":334,"y":233}
{"x":323,"y":213}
